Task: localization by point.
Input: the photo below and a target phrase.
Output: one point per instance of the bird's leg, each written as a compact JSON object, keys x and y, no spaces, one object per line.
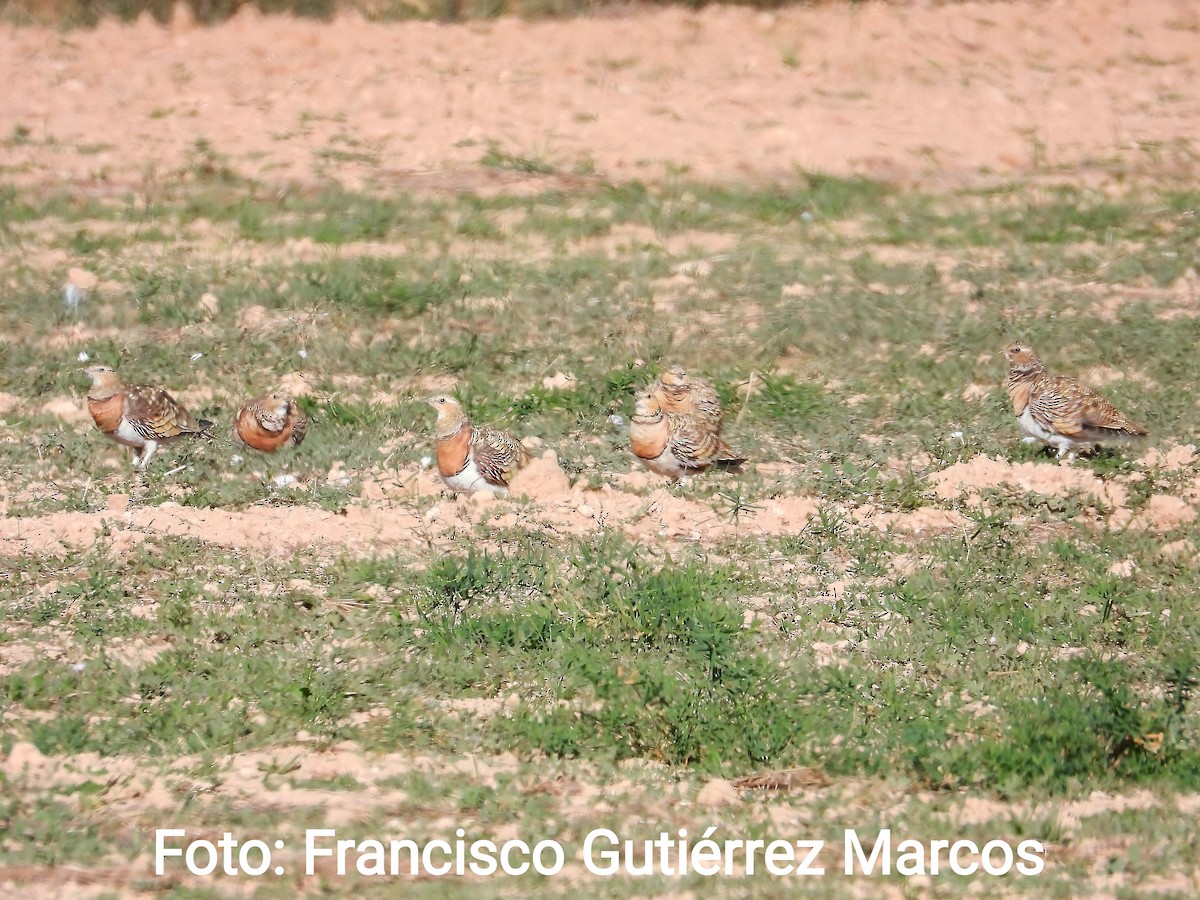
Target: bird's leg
{"x":147,"y":452}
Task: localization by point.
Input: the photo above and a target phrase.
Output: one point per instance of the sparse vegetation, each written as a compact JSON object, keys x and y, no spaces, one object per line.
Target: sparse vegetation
{"x":844,"y":608}
{"x":1001,"y":663}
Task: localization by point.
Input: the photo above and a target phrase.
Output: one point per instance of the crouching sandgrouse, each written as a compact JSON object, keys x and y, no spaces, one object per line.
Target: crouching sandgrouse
{"x":270,"y":423}
{"x":689,"y":395}
{"x":473,"y":457}
{"x":675,"y":444}
{"x":1059,"y":410}
{"x":138,"y":416}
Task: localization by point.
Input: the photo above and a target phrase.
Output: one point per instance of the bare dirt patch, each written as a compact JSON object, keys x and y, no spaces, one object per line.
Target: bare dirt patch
{"x":967,"y":479}
{"x":390,"y":517}
{"x":887,"y":90}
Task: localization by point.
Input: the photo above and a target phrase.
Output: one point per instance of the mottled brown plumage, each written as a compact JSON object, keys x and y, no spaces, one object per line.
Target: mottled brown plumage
{"x":473,"y":457}
{"x":693,"y":408}
{"x":137,"y":416}
{"x":678,"y":392}
{"x":673,"y":444}
{"x":1059,"y":410}
{"x":270,"y":422}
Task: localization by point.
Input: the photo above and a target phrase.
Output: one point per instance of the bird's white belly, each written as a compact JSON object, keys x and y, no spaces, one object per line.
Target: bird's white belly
{"x":1031,"y":427}
{"x":664,"y":464}
{"x":470,"y":479}
{"x":126,"y":434}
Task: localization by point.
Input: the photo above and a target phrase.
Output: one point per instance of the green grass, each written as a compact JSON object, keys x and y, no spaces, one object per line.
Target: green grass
{"x":842,"y":321}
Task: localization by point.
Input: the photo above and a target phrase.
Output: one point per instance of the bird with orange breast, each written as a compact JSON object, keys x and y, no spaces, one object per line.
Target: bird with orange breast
{"x":270,"y":423}
{"x":673,"y":444}
{"x":138,"y":416}
{"x":470,"y":457}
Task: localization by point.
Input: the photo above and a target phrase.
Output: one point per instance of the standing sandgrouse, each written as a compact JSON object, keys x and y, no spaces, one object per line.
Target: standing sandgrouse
{"x":137,"y":416}
{"x":270,"y":423}
{"x":674,"y":444}
{"x":1057,"y":409}
{"x":473,"y":457}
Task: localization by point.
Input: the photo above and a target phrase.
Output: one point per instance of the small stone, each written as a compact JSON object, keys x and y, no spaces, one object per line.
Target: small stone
{"x":718,"y":792}
{"x":1122,"y":568}
{"x":208,"y":303}
{"x":1177,"y":549}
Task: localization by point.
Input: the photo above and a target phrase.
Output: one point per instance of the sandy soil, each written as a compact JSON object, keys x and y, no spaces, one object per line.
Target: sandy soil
{"x":937,"y":93}
{"x":385,"y":519}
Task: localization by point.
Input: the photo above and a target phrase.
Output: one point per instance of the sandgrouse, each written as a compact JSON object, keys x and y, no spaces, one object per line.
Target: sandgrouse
{"x":694,"y":411}
{"x":1058,"y":410}
{"x":674,"y":444}
{"x":678,"y":392}
{"x":270,"y":422}
{"x":473,"y":457}
{"x":138,"y":416}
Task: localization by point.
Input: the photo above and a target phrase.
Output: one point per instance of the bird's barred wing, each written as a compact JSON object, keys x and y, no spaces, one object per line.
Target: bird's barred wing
{"x":299,"y":423}
{"x":706,"y":400}
{"x":690,"y":396}
{"x":693,"y":443}
{"x":156,"y":415}
{"x":1069,"y":408}
{"x":272,"y":419}
{"x":497,"y":455}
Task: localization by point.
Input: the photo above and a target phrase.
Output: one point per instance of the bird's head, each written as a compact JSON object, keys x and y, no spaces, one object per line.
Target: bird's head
{"x":279,"y":402}
{"x":448,"y":409}
{"x":442,"y":401}
{"x":101,"y":375}
{"x":1021,"y":356}
{"x":646,"y":406}
{"x":674,"y":377}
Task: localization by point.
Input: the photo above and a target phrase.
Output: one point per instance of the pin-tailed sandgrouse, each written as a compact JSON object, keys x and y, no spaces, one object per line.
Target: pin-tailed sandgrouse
{"x":473,"y":457}
{"x":674,"y":444}
{"x":1059,"y":410}
{"x":138,"y":416}
{"x":270,"y":423}
{"x":691,"y":408}
{"x":679,"y":392}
